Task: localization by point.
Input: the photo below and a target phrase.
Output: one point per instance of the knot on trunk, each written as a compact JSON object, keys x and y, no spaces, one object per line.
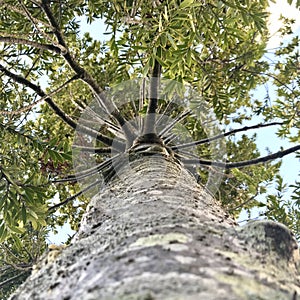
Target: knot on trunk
{"x":271,"y":240}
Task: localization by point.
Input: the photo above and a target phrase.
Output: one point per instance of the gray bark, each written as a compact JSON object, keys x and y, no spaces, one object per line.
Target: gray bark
{"x":154,"y":233}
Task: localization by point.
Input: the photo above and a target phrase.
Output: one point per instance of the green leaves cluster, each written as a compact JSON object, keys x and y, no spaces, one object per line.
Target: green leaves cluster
{"x":25,"y":166}
{"x":214,"y":46}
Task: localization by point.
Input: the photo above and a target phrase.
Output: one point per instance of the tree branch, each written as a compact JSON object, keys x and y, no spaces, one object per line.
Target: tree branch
{"x":273,"y":77}
{"x":219,"y":136}
{"x":104,"y":139}
{"x":9,"y":280}
{"x":154,"y":94}
{"x":42,"y":32}
{"x":86,"y":173}
{"x":25,"y":108}
{"x":240,"y":164}
{"x":243,"y":203}
{"x":93,"y":150}
{"x":170,"y":126}
{"x":24,"y":13}
{"x":86,"y":77}
{"x":74,"y":196}
{"x":14,"y":40}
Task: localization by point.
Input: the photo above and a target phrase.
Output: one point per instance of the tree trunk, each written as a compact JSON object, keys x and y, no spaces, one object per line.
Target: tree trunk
{"x":154,"y":233}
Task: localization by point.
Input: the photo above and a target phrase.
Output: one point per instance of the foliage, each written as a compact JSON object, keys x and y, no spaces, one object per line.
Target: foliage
{"x":50,"y":71}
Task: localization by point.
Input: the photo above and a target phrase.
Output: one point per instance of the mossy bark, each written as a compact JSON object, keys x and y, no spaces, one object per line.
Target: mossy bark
{"x":154,"y":233}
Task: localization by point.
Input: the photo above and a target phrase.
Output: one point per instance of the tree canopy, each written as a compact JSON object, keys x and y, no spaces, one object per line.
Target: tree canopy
{"x":51,"y":71}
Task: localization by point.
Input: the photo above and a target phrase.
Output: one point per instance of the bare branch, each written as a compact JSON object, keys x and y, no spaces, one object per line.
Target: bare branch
{"x":14,"y":40}
{"x":240,"y":164}
{"x":222,"y":135}
{"x":74,"y":196}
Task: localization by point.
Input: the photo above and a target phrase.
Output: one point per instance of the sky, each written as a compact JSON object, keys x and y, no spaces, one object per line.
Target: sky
{"x":276,"y":9}
{"x":266,"y":138}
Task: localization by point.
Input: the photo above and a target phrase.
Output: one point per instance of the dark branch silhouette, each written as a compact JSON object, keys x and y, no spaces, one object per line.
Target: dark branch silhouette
{"x":14,"y":40}
{"x":9,"y":280}
{"x":251,"y":162}
{"x":219,"y":136}
{"x":75,"y":195}
{"x":86,"y":173}
{"x":103,"y":150}
{"x":28,"y":107}
{"x":153,"y":98}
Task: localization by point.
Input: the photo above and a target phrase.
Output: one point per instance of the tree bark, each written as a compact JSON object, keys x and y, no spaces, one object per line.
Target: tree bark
{"x":154,"y":233}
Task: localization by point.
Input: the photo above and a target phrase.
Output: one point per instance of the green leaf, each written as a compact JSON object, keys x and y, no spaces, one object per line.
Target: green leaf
{"x":17,"y":242}
{"x":16,"y":229}
{"x":186,"y":3}
{"x":3,"y":233}
{"x":171,"y":40}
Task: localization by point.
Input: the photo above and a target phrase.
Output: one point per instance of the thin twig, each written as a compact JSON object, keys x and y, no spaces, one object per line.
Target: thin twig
{"x":88,"y":172}
{"x":74,"y":196}
{"x":9,"y":280}
{"x":20,"y":79}
{"x":242,"y":204}
{"x":35,"y":22}
{"x":28,"y":107}
{"x":170,"y":126}
{"x":23,"y":13}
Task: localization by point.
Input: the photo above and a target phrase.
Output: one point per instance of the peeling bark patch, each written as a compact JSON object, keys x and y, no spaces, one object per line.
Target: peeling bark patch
{"x":160,"y":240}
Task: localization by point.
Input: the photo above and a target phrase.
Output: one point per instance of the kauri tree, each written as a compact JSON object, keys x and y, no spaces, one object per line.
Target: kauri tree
{"x":141,"y":142}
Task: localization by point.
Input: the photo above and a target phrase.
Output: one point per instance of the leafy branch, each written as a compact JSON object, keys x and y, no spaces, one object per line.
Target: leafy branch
{"x":109,"y":106}
{"x":28,"y":107}
{"x":12,"y":279}
{"x":21,"y":80}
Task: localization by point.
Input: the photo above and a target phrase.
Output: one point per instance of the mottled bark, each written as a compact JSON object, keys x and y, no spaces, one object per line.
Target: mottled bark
{"x":154,"y":233}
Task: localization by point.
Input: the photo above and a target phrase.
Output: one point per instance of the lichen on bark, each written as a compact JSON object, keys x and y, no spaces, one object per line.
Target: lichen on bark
{"x":154,"y":233}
